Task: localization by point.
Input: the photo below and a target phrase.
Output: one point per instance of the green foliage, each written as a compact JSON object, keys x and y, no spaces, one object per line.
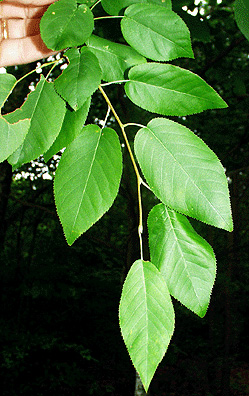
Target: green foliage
{"x":75,"y":24}
{"x":170,"y":90}
{"x":143,"y":27}
{"x":87,"y":179}
{"x":183,"y":172}
{"x":80,"y":79}
{"x":146,"y":318}
{"x":178,"y":166}
{"x":184,"y":258}
{"x":120,"y":56}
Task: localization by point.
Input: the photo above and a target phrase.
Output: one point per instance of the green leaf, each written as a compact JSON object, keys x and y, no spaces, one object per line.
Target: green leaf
{"x":71,"y":128}
{"x":183,"y":172}
{"x":113,"y":7}
{"x":80,"y":79}
{"x":7,"y":82}
{"x":241,"y":10}
{"x":120,"y":56}
{"x":170,"y":90}
{"x":11,"y":136}
{"x":146,"y":317}
{"x":87,"y":179}
{"x":185,"y":259}
{"x":65,"y":24}
{"x":46,"y":110}
{"x":156,"y":32}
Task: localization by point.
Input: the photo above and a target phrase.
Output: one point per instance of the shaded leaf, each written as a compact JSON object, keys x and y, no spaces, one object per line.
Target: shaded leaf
{"x":146,"y":317}
{"x":80,"y":79}
{"x":7,"y":82}
{"x":156,"y":32}
{"x":87,"y":179}
{"x":183,"y":172}
{"x":113,"y":7}
{"x":46,"y":110}
{"x":11,"y":136}
{"x":185,"y":259}
{"x":66,"y":24}
{"x":71,"y":128}
{"x":170,"y":90}
{"x":120,"y":56}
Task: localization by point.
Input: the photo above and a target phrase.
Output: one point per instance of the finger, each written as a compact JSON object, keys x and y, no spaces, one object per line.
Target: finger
{"x":20,"y":28}
{"x":8,"y":11}
{"x":21,"y":51}
{"x":35,"y":3}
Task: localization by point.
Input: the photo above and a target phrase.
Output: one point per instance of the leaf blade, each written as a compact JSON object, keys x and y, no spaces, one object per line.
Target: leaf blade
{"x":87,"y":179}
{"x":120,"y":56}
{"x":156,"y":32}
{"x":170,"y":90}
{"x":113,"y":7}
{"x":184,"y":258}
{"x":146,"y":317}
{"x":183,"y":172}
{"x":75,"y":23}
{"x":11,"y":136}
{"x":46,"y":110}
{"x":80,"y":79}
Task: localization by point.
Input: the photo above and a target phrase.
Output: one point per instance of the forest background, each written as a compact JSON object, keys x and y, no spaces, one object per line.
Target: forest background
{"x":59,"y":331}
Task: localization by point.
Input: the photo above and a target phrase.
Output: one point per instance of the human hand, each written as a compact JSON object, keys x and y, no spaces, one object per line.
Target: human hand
{"x":20,"y":40}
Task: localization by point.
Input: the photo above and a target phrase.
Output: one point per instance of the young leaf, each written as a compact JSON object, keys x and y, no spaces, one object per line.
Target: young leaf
{"x":183,"y":172}
{"x":170,"y":90}
{"x":80,"y":79}
{"x":71,"y":128}
{"x":146,"y":316}
{"x":185,"y":259}
{"x":87,"y":179}
{"x":7,"y":82}
{"x":65,"y":24}
{"x":120,"y":56}
{"x":156,"y":32}
{"x":113,"y":7}
{"x":11,"y":136}
{"x":46,"y":110}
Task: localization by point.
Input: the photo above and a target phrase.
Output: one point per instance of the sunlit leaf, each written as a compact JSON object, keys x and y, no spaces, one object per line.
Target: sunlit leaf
{"x":87,"y":179}
{"x":156,"y":32}
{"x":170,"y":90}
{"x":66,"y":24}
{"x":7,"y":82}
{"x":113,"y":7}
{"x":46,"y":110}
{"x":146,"y":317}
{"x":80,"y":79}
{"x":11,"y":136}
{"x":120,"y":56}
{"x":185,"y":259}
{"x":184,"y":172}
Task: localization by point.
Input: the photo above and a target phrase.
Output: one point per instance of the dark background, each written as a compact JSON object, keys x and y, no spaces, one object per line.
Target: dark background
{"x":59,"y":332}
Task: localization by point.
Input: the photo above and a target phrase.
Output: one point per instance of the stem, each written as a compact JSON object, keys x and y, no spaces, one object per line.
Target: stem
{"x":114,"y":82}
{"x":139,"y":179}
{"x":109,"y":17}
{"x":32,"y":71}
{"x":94,"y":5}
